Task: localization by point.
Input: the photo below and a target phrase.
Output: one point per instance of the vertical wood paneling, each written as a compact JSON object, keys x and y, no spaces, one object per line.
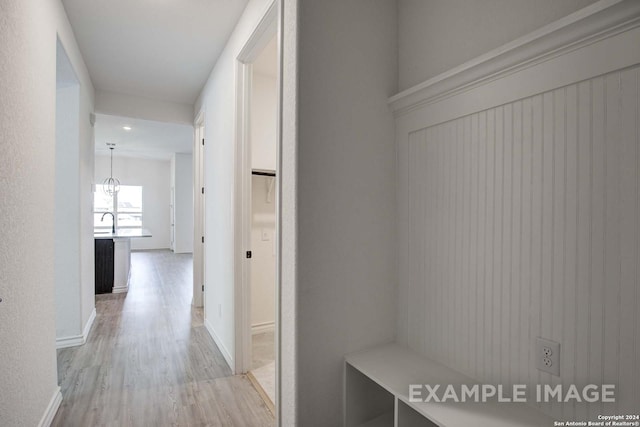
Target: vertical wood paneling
{"x":523,"y":222}
{"x":612,"y":259}
{"x":506,"y":280}
{"x":584,"y":283}
{"x":536,"y":233}
{"x":629,"y":235}
{"x":489,"y":299}
{"x":516,"y":254}
{"x":558,"y":228}
{"x":569,"y":308}
{"x":473,"y":237}
{"x":480,"y":244}
{"x":526,"y":306}
{"x":496,"y":268}
{"x":466,"y":288}
{"x":598,"y":162}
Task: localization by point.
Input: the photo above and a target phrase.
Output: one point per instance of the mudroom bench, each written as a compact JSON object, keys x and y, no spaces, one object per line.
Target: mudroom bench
{"x":377,"y":385}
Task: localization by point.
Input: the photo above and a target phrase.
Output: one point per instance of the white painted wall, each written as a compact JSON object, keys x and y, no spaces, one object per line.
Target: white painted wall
{"x":67,"y":209}
{"x":437,"y":35}
{"x":155,"y":178}
{"x":534,"y":213}
{"x":182,"y":182}
{"x":263,"y":121}
{"x":518,"y":209}
{"x":28,"y":31}
{"x":345,"y":196}
{"x":219,"y":122}
{"x":263,"y":261}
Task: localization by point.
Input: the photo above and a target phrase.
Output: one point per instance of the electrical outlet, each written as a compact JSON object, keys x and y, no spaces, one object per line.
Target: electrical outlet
{"x":548,"y":356}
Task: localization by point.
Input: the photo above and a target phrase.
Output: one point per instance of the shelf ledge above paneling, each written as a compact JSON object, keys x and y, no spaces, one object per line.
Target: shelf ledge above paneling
{"x":596,"y":22}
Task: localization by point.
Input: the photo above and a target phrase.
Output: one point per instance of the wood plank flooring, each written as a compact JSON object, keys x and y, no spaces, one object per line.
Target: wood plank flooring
{"x":149,"y":361}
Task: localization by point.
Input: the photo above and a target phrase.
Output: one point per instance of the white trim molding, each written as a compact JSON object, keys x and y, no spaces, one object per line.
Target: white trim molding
{"x":76,"y":340}
{"x":52,"y":409}
{"x":260,"y":328}
{"x":216,"y":339}
{"x":593,"y":24}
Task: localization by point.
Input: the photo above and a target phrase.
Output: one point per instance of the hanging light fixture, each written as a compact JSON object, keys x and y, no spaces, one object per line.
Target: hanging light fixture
{"x":111,"y":185}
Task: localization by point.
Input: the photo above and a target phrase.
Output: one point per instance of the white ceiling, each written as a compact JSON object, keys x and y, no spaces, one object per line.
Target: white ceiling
{"x":146,"y":139}
{"x":158,"y":49}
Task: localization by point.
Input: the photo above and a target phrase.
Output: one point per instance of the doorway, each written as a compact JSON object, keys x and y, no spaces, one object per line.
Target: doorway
{"x":199,"y":213}
{"x":257,"y":187}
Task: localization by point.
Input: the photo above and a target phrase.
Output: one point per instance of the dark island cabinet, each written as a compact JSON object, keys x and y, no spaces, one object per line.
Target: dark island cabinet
{"x":104,"y":266}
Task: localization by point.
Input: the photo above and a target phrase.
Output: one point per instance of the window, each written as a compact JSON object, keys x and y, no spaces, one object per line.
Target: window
{"x":126,"y":206}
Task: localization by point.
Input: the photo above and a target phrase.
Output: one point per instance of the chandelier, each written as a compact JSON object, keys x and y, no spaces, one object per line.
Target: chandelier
{"x":111,"y":185}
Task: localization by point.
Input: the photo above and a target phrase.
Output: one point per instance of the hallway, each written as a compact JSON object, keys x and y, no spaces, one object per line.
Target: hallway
{"x":149,"y":360}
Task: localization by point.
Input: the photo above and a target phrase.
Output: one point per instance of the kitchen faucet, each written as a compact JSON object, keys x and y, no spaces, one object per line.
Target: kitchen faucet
{"x":113,"y":221}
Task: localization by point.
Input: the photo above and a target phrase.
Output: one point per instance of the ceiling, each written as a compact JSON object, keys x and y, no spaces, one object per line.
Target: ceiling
{"x":146,"y":139}
{"x":157,"y":49}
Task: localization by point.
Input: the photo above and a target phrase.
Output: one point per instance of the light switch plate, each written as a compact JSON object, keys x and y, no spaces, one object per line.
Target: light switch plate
{"x":548,"y":356}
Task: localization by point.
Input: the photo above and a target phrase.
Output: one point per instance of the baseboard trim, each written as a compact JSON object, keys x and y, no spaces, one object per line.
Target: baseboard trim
{"x":76,"y":340}
{"x":225,"y":353}
{"x":89,"y":325}
{"x":52,"y":409}
{"x":120,"y":289}
{"x":262,"y":327}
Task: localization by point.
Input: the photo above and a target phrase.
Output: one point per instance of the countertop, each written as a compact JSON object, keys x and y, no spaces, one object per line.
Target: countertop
{"x":123,"y":233}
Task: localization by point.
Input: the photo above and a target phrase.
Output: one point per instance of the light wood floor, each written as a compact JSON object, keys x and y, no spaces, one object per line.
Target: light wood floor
{"x":263,"y":366}
{"x":149,"y":361}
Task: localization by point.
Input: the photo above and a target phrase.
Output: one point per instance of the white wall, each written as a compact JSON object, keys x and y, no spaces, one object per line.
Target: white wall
{"x":155,"y":178}
{"x":263,"y":121}
{"x":345,"y":195}
{"x":67,"y":210}
{"x":182,"y":182}
{"x":27,"y":168}
{"x":437,"y":35}
{"x":263,"y":261}
{"x":518,"y":218}
{"x":219,"y":151}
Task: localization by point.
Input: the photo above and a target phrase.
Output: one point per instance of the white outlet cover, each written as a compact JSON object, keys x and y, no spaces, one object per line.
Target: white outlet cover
{"x":542,"y":349}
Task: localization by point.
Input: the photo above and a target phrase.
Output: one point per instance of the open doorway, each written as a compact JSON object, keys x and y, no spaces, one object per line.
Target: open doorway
{"x":74,"y":295}
{"x":262,"y":207}
{"x":199,"y":213}
{"x":263,"y":112}
{"x":257,"y":201}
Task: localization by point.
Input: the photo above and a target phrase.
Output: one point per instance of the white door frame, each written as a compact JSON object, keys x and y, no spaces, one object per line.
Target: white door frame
{"x":267,"y":28}
{"x":198,"y":212}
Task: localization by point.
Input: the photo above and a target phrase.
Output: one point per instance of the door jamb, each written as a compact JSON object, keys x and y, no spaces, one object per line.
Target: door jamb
{"x":264,"y":31}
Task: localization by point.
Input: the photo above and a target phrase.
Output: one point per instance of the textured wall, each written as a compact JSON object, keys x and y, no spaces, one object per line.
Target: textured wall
{"x":346,"y":194}
{"x":523,"y":222}
{"x":219,"y":164}
{"x":67,"y":212}
{"x":437,"y":35}
{"x":183,"y":184}
{"x":263,"y":261}
{"x":27,"y":131}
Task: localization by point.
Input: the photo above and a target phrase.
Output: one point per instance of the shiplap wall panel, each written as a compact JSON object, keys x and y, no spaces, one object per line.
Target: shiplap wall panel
{"x":523,"y":222}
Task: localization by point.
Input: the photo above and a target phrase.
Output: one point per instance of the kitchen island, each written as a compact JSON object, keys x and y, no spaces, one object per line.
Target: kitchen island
{"x":113,"y":258}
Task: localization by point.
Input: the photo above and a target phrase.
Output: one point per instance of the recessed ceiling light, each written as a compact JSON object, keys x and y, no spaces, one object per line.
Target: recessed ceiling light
{"x":126,"y":127}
